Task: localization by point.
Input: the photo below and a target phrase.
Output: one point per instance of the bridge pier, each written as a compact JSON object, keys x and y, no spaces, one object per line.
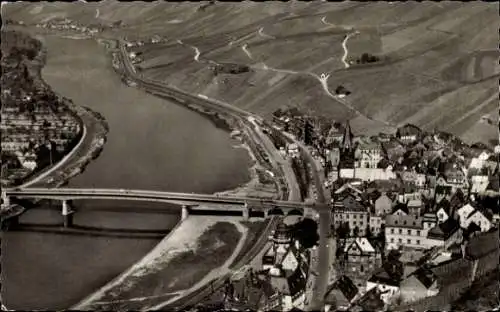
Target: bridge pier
{"x":5,"y":199}
{"x":246,"y":213}
{"x":67,"y":214}
{"x":185,"y":212}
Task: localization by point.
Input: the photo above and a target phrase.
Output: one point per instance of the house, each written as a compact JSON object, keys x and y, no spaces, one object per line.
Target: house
{"x":444,"y":234}
{"x":335,"y":158}
{"x":479,"y":183}
{"x":481,"y":218}
{"x":478,"y":162}
{"x":368,"y":155}
{"x":348,"y":189}
{"x":408,"y":133}
{"x":383,"y":205}
{"x":443,"y":211}
{"x":360,"y":260}
{"x":287,"y":268}
{"x":282,"y":256}
{"x":370,"y":301}
{"x":417,"y":179}
{"x":335,"y":134}
{"x":340,"y":294}
{"x":463,"y":214}
{"x":293,"y":150}
{"x":455,"y":178}
{"x":387,"y":283}
{"x":420,"y":284}
{"x":429,"y":220}
{"x":372,"y":174}
{"x":413,"y":201}
{"x":291,"y":289}
{"x":400,"y":209}
{"x":354,"y":213}
{"x":442,"y":191}
{"x":404,"y":231}
{"x":376,"y":223}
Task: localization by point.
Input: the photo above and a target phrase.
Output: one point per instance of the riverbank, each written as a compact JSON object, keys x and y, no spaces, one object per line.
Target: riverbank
{"x":155,"y":279}
{"x":87,"y":145}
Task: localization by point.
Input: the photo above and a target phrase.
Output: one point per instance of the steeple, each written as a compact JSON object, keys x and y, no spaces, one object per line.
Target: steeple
{"x":347,"y":139}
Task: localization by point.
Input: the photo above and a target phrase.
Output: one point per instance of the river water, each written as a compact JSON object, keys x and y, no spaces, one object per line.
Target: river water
{"x":152,"y":144}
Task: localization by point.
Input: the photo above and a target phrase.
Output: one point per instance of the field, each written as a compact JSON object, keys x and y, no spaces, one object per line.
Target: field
{"x":438,"y":62}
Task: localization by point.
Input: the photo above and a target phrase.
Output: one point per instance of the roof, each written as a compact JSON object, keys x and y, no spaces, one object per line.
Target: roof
{"x":445,"y":205}
{"x":369,"y":145}
{"x":371,"y":301}
{"x":483,"y":244}
{"x":363,"y":244}
{"x":408,"y":221}
{"x":400,"y":206}
{"x":350,"y":204}
{"x":443,"y":189}
{"x":408,"y":129}
{"x":343,"y":287}
{"x":425,"y":276}
{"x":383,"y":277}
{"x":444,"y":230}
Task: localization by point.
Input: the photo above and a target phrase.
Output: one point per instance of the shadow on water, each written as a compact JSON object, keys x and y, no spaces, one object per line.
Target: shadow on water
{"x":91,"y":231}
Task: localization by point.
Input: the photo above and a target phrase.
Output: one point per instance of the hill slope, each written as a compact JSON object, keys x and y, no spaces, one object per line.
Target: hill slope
{"x":438,"y":62}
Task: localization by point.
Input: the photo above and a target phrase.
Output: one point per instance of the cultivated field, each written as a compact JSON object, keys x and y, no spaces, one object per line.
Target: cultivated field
{"x":438,"y":62}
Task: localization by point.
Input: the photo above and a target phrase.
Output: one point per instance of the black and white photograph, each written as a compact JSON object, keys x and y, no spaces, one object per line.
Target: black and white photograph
{"x":250,"y":156}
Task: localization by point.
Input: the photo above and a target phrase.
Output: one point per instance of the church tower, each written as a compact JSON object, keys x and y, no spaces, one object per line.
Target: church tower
{"x":347,"y":149}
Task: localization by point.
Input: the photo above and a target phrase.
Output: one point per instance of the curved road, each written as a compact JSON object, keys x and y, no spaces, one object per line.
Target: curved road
{"x":243,"y":116}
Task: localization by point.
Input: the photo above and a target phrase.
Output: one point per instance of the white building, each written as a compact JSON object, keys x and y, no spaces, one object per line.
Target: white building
{"x":372,"y":174}
{"x":480,"y":219}
{"x":368,"y":155}
{"x":407,"y":231}
{"x":293,"y":150}
{"x":478,"y":162}
{"x":376,"y":224}
{"x":444,"y":234}
{"x":463,"y":214}
{"x":479,"y":183}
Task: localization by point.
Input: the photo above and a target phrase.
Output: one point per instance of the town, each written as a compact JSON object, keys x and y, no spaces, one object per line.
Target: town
{"x":415,"y":222}
{"x":412,"y":216}
{"x":38,"y":127}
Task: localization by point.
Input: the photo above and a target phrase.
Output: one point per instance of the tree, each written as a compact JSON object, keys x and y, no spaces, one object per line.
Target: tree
{"x":306,"y":232}
{"x":343,"y":230}
{"x":368,"y":232}
{"x":355,"y":231}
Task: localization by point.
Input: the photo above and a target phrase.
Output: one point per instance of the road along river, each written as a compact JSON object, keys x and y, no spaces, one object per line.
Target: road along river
{"x":152,"y":144}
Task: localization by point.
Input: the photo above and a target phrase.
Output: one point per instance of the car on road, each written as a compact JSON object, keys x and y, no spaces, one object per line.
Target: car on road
{"x":122,"y":191}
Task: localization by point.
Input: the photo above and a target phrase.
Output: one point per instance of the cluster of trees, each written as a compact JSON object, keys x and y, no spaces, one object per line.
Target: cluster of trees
{"x":367,"y":58}
{"x":306,"y":231}
{"x":301,"y":172}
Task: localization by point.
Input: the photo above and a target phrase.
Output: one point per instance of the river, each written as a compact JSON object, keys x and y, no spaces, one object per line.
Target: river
{"x":152,"y":144}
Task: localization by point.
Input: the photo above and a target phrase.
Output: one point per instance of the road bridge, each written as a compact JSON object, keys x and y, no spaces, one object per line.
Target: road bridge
{"x":186,"y":201}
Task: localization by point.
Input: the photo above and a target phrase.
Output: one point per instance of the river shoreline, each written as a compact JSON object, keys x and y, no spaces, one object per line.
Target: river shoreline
{"x":218,"y":121}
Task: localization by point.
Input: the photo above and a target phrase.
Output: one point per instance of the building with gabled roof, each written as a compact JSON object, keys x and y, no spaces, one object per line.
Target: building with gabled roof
{"x":287,"y":268}
{"x":444,"y":234}
{"x":387,"y":282}
{"x":370,"y":301}
{"x":340,"y":294}
{"x":420,"y":284}
{"x":360,"y":260}
{"x":408,"y":133}
{"x":404,"y":231}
